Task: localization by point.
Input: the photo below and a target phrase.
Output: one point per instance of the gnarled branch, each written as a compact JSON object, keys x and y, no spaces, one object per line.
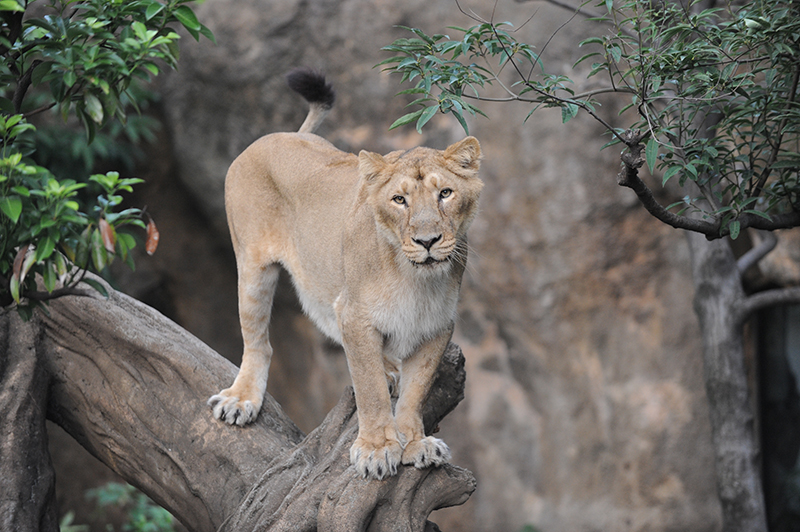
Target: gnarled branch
{"x":130,"y":386}
{"x":632,"y":160}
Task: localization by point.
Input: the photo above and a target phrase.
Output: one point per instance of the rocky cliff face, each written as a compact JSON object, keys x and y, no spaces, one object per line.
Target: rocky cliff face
{"x":584,"y":406}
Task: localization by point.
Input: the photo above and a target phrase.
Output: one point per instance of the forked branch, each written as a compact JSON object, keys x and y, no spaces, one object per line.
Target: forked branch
{"x":130,"y":386}
{"x":632,"y":161}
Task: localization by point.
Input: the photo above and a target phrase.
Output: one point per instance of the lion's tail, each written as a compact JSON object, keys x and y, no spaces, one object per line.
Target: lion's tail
{"x":320,"y":95}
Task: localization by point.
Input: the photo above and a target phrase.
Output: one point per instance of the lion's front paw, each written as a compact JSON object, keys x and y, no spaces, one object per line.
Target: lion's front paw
{"x":230,"y":409}
{"x":427,"y":452}
{"x":376,"y":461}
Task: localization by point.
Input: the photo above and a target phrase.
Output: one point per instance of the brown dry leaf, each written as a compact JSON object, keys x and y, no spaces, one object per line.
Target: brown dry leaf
{"x":108,"y":234}
{"x":19,"y":260}
{"x":152,"y":237}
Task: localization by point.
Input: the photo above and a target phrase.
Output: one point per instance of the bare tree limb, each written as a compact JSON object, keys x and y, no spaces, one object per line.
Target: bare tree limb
{"x":757,"y":252}
{"x":27,"y":491}
{"x":767,"y":298}
{"x":785,"y":220}
{"x":131,"y":387}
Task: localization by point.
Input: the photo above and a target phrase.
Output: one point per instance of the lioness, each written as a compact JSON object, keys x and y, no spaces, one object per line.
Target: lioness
{"x":376,"y":247}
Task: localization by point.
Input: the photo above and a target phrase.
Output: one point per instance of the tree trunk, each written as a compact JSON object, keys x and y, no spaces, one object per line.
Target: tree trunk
{"x":27,"y":489}
{"x":131,"y":387}
{"x":718,"y":300}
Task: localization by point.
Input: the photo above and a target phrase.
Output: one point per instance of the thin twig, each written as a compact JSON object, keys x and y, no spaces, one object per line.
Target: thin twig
{"x":777,"y":147}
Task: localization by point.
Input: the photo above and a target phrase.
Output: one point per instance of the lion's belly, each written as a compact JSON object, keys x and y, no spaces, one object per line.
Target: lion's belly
{"x":323,"y":316}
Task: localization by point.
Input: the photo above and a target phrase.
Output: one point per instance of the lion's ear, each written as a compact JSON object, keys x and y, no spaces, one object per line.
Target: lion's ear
{"x":466,"y":153}
{"x":370,"y":164}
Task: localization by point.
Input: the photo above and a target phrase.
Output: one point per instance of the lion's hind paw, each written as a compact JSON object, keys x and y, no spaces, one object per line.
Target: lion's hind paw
{"x":233,"y":411}
{"x":427,"y":452}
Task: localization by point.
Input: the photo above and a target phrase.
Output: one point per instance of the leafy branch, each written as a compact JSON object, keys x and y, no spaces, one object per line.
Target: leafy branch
{"x":84,"y":58}
{"x":682,"y":69}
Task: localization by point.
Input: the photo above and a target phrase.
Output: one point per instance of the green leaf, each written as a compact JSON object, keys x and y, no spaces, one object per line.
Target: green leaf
{"x":150,"y":67}
{"x":152,"y":10}
{"x":69,"y":78}
{"x":762,"y":214}
{"x":462,"y":121}
{"x":13,"y":286}
{"x":568,"y":112}
{"x":94,"y":107}
{"x":187,"y":17}
{"x":98,"y":251}
{"x":45,"y":248}
{"x":734,"y":228}
{"x":40,"y":71}
{"x":415,"y":90}
{"x":426,"y":115}
{"x":671,"y":171}
{"x":60,"y":264}
{"x":49,"y":276}
{"x":616,"y":53}
{"x":205,"y":32}
{"x":97,"y":286}
{"x":11,"y":207}
{"x":406,"y":119}
{"x":651,"y":153}
{"x":11,"y":5}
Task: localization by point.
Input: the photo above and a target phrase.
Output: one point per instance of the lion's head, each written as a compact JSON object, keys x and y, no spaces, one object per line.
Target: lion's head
{"x":424,"y":199}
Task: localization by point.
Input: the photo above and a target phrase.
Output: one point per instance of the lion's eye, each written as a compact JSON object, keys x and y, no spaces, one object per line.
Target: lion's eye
{"x":445,"y":193}
{"x":400,"y":200}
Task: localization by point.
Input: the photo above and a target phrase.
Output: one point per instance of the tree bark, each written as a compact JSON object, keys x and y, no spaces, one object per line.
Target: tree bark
{"x":27,"y":491}
{"x":718,"y":296}
{"x":131,"y":387}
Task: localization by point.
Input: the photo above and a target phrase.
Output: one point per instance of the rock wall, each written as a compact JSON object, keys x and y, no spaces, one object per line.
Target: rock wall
{"x":585,"y":407}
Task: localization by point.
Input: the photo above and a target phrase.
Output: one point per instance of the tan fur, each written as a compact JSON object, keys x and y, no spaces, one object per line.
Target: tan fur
{"x":358,"y":257}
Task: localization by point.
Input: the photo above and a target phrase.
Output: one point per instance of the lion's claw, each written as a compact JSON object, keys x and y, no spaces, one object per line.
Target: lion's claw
{"x":233,"y":411}
{"x":377,"y":462}
{"x":427,"y":452}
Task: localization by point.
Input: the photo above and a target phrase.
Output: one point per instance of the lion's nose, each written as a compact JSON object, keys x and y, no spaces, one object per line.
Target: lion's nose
{"x":427,"y":244}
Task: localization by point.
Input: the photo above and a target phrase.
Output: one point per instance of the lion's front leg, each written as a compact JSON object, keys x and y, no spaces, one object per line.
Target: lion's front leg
{"x":377,"y":451}
{"x":416,"y":376}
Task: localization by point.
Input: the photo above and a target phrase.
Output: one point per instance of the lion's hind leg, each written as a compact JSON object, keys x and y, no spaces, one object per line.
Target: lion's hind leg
{"x":241,"y":403}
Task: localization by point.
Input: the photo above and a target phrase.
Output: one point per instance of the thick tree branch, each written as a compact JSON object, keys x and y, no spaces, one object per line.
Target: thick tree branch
{"x":22,"y":87}
{"x":632,"y":160}
{"x":131,"y":387}
{"x":718,"y":295}
{"x":785,"y":220}
{"x":27,"y":491}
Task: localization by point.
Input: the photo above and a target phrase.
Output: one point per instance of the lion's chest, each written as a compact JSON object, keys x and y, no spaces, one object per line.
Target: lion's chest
{"x":412,"y":312}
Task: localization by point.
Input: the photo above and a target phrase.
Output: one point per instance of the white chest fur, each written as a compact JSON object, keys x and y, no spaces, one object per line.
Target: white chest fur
{"x":407,"y":311}
{"x":412,"y":311}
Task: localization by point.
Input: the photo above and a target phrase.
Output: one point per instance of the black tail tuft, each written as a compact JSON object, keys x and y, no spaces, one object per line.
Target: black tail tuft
{"x":312,"y":86}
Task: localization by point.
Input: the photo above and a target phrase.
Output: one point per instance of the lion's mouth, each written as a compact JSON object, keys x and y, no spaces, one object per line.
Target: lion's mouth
{"x":430,"y":261}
